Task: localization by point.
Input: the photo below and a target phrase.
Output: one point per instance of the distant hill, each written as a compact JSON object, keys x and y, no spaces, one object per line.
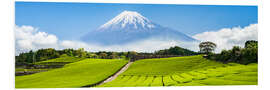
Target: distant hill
{"x":176,"y":51}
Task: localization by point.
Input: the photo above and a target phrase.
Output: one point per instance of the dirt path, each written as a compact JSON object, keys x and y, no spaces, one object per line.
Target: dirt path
{"x":116,"y":74}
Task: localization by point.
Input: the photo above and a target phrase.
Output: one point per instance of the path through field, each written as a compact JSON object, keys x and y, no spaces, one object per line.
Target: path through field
{"x":117,"y":73}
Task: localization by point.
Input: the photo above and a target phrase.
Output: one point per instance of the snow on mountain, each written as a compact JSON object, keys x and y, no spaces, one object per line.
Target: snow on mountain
{"x":128,"y":20}
{"x":131,"y":26}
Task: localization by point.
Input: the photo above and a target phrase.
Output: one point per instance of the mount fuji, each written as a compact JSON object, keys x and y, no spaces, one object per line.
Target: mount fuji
{"x":130,"y":26}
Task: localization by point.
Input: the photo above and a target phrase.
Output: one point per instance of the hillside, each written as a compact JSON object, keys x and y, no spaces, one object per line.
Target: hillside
{"x":78,"y":74}
{"x":59,"y":60}
{"x":164,"y":66}
{"x":174,"y":71}
{"x":185,"y":71}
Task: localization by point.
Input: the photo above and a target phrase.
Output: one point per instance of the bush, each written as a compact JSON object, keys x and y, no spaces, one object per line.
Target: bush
{"x":246,"y":55}
{"x":64,"y":55}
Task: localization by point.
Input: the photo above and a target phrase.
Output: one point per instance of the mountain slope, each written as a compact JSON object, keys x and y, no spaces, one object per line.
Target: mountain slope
{"x":131,"y":26}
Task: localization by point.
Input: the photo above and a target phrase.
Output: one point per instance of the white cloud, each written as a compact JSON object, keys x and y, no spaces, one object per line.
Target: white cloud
{"x":29,"y":38}
{"x":226,"y":38}
{"x":42,"y":38}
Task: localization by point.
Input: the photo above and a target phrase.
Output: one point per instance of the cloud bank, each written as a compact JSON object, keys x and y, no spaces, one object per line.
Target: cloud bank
{"x":226,"y":38}
{"x":148,"y":45}
{"x":28,"y":38}
{"x":31,"y":38}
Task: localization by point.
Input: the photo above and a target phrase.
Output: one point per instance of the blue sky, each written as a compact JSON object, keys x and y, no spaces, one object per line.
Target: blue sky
{"x":72,"y":20}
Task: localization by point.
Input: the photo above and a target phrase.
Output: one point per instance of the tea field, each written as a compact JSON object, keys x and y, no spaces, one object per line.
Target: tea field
{"x":174,"y":71}
{"x":185,"y":71}
{"x":77,"y":74}
{"x":60,"y":60}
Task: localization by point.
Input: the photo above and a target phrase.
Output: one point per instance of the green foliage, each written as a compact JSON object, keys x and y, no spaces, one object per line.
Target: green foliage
{"x":114,"y":56}
{"x":25,"y":57}
{"x":64,"y":55}
{"x":39,"y":55}
{"x":251,"y":44}
{"x":131,"y":54}
{"x":80,"y":52}
{"x":249,"y":54}
{"x":175,"y":51}
{"x":45,"y":54}
{"x":103,"y":55}
{"x":64,"y":59}
{"x":50,"y":53}
{"x":78,"y":74}
{"x":246,"y":55}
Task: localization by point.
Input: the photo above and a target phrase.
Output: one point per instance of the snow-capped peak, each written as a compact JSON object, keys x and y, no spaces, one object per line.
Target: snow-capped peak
{"x":128,"y":20}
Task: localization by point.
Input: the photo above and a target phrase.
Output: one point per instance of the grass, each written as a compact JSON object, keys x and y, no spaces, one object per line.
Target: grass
{"x":60,"y":60}
{"x":51,"y":64}
{"x":78,"y":74}
{"x":230,"y":75}
{"x":165,"y":66}
{"x":168,"y":81}
{"x":185,"y":71}
{"x":175,"y":71}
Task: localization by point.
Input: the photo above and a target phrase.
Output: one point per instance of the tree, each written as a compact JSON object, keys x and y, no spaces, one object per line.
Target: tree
{"x":30,"y":58}
{"x":235,"y":53}
{"x":114,"y":55}
{"x":80,"y":53}
{"x":93,"y":56}
{"x":132,"y":54}
{"x":207,"y":47}
{"x":236,"y":50}
{"x":224,"y":56}
{"x":250,"y":53}
{"x":103,"y":55}
{"x":45,"y":54}
{"x":246,"y":55}
{"x":88,"y":55}
{"x":251,"y":43}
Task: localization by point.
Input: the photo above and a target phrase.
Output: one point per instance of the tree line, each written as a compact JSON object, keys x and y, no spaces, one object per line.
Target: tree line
{"x":50,"y":53}
{"x":246,"y":55}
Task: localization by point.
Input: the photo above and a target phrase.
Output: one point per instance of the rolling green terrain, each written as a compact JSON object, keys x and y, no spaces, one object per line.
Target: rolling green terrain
{"x":185,"y":71}
{"x":21,"y":69}
{"x":66,"y":59}
{"x":77,"y":74}
{"x":47,"y":65}
{"x":164,"y":66}
{"x":174,"y":71}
